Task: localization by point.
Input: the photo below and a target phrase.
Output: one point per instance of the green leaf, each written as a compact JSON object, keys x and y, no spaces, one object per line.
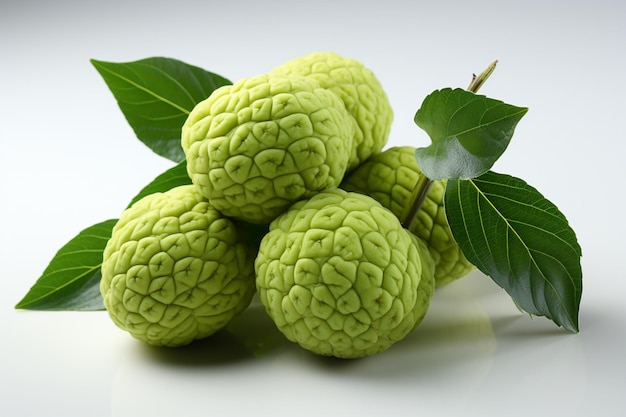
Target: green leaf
{"x":521,"y":240}
{"x":156,"y":95}
{"x":71,"y":280}
{"x":169,"y":179}
{"x":469,"y":132}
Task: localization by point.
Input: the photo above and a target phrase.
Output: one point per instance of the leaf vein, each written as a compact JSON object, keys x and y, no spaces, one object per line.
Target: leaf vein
{"x":147,"y":91}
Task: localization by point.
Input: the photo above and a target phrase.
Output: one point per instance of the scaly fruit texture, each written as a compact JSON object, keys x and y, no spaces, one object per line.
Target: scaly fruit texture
{"x":340,"y":276}
{"x":255,"y":147}
{"x":175,"y":269}
{"x":359,"y":89}
{"x":427,"y":283}
{"x":390,"y":178}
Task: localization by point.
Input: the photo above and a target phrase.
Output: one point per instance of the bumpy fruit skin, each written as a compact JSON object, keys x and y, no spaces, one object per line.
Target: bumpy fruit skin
{"x":175,"y":269}
{"x":361,"y":92}
{"x":426,"y":287}
{"x":340,"y":276}
{"x":390,"y":178}
{"x":255,"y":147}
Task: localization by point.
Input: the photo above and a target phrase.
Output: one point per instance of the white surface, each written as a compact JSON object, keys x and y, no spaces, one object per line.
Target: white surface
{"x":68,"y":160}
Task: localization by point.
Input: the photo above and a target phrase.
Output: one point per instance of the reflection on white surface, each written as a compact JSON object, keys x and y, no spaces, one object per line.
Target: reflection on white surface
{"x":451,"y":353}
{"x":454,"y":363}
{"x":474,"y":355}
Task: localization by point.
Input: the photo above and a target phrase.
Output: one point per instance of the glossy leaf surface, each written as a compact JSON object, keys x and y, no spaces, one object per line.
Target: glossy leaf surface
{"x":469,"y":132}
{"x":71,"y":280}
{"x":156,"y":95}
{"x":521,"y":240}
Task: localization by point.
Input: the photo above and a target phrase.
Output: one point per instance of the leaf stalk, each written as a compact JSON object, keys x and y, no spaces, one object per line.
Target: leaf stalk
{"x":418,"y":196}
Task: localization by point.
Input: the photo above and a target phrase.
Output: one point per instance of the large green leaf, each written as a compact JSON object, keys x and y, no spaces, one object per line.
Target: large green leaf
{"x":71,"y":280}
{"x":521,"y":240}
{"x":469,"y":132}
{"x":156,"y":95}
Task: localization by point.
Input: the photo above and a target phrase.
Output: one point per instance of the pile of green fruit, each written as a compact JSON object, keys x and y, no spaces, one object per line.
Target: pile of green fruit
{"x":299,"y":151}
{"x":284,"y":188}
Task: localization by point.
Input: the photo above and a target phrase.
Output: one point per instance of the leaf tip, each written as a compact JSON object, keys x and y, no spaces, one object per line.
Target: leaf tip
{"x":572,"y":326}
{"x":26,"y":304}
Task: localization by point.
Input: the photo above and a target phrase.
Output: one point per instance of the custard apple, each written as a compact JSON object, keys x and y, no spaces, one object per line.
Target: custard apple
{"x":361,"y":92}
{"x":175,"y":269}
{"x":340,"y":276}
{"x":390,"y":178}
{"x":255,"y":147}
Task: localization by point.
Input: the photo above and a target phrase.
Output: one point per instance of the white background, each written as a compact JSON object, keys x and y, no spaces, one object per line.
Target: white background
{"x":69,"y":159}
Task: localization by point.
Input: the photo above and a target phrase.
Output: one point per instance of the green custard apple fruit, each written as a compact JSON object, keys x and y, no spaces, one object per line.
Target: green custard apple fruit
{"x":255,"y":147}
{"x":175,"y":269}
{"x":340,"y":276}
{"x":390,"y":177}
{"x":361,"y":92}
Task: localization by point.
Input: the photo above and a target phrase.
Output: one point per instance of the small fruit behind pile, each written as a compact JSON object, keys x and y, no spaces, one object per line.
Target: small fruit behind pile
{"x":390,"y":178}
{"x":340,"y":276}
{"x":175,"y":269}
{"x":361,"y":92}
{"x":255,"y":147}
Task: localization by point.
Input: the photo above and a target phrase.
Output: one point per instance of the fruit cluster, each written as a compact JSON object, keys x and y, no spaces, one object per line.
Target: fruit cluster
{"x":300,"y":150}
